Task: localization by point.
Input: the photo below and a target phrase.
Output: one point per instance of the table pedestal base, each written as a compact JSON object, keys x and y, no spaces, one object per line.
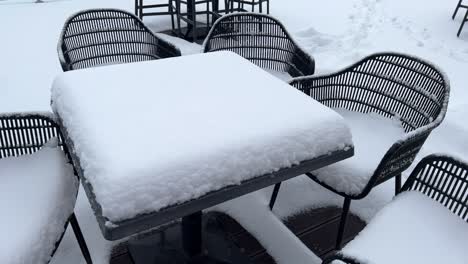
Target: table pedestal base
{"x":167,"y":247}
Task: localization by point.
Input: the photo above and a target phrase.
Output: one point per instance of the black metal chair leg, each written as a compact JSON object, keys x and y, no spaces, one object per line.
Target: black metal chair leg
{"x":341,"y":228}
{"x":456,"y":9}
{"x":463,"y":23}
{"x":80,"y":239}
{"x":397,"y":184}
{"x":274,"y":195}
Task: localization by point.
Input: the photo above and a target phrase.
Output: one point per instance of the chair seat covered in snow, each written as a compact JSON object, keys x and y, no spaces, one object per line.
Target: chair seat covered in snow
{"x":38,"y":190}
{"x":410,"y":93}
{"x":261,"y":39}
{"x":99,"y":37}
{"x":427,"y":223}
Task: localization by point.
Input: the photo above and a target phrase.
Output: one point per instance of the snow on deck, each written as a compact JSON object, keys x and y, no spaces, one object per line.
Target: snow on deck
{"x":336,"y":33}
{"x":159,"y":133}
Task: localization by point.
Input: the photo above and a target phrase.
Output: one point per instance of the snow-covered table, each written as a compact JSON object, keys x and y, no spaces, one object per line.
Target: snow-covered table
{"x":160,"y":140}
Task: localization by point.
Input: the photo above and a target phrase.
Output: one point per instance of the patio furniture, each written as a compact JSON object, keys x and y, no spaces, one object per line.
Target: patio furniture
{"x":426,"y":223}
{"x":155,"y":9}
{"x":261,"y":39}
{"x":465,"y":18}
{"x":99,"y":37}
{"x":22,"y":157}
{"x":194,"y":25}
{"x":184,"y":149}
{"x":252,"y":3}
{"x":390,"y":85}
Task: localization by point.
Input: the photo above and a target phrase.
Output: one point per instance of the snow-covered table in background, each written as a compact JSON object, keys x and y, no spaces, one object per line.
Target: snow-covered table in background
{"x":159,"y":140}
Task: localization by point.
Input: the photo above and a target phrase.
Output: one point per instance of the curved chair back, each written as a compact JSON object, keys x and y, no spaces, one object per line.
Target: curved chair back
{"x":26,"y":133}
{"x":261,"y":39}
{"x":108,"y":36}
{"x":444,"y":179}
{"x":392,"y":85}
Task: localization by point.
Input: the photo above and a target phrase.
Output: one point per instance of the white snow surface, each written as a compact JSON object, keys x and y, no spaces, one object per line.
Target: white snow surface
{"x":373,"y":135}
{"x":37,"y":195}
{"x":412,"y":229}
{"x":337,"y":34}
{"x":165,"y":138}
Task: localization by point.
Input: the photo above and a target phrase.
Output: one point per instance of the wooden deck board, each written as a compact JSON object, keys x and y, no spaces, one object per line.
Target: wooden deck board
{"x":316,"y":228}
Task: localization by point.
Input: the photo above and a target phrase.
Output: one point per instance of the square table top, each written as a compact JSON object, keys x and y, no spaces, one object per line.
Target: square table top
{"x":155,"y":134}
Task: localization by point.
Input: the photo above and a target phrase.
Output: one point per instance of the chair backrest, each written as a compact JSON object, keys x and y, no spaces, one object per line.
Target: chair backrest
{"x":392,"y":85}
{"x":108,"y":36}
{"x":444,"y":179}
{"x":261,"y":39}
{"x":22,"y":134}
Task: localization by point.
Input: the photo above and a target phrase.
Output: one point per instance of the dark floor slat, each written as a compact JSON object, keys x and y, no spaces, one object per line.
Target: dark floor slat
{"x":316,"y":228}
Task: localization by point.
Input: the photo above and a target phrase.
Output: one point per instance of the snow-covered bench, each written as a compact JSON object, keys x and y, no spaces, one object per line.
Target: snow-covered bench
{"x":426,"y":223}
{"x":99,"y":37}
{"x":385,"y":86}
{"x":38,"y":189}
{"x":263,"y":40}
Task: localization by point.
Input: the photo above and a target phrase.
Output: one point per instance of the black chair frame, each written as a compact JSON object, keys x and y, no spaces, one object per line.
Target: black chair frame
{"x":261,"y":39}
{"x":142,"y":10}
{"x":26,"y":133}
{"x":97,"y":37}
{"x":442,"y":178}
{"x":465,"y":18}
{"x":390,"y":84}
{"x":230,"y":5}
{"x":212,"y":13}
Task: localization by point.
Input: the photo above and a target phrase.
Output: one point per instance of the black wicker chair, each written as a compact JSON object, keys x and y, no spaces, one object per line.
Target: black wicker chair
{"x":261,"y":39}
{"x":388,"y":84}
{"x":442,"y":178}
{"x":24,"y":133}
{"x":465,"y":18}
{"x":107,"y":36}
{"x":239,"y":5}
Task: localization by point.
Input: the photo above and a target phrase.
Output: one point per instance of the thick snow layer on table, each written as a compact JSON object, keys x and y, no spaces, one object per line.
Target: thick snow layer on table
{"x":158,"y":133}
{"x":412,"y":229}
{"x":373,"y":135}
{"x":357,"y":27}
{"x":37,"y":195}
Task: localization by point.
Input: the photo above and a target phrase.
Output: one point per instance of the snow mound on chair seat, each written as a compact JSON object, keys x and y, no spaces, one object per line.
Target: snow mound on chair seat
{"x":373,"y":135}
{"x":412,"y":229}
{"x":37,"y":195}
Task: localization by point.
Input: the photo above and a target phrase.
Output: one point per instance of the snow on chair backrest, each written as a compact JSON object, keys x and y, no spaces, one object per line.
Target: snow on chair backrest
{"x":99,"y":37}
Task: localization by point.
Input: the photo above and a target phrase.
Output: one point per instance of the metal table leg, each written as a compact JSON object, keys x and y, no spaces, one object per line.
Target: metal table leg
{"x":197,"y":239}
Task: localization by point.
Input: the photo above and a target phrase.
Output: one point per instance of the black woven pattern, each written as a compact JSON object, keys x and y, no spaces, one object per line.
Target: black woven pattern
{"x":25,"y":134}
{"x":443,"y":179}
{"x":22,"y":134}
{"x":394,"y":86}
{"x":108,"y":36}
{"x":261,"y":39}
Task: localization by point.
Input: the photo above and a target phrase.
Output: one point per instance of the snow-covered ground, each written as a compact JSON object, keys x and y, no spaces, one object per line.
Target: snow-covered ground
{"x":336,"y":33}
